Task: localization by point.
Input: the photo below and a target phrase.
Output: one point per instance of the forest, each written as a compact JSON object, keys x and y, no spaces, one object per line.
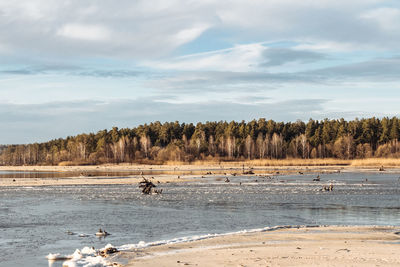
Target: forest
{"x":223,"y":141}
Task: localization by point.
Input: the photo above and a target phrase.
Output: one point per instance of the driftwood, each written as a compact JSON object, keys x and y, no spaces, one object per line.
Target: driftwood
{"x":381,"y":169}
{"x":108,"y":251}
{"x":327,"y":188}
{"x":148,"y":187}
{"x":248,"y":172}
{"x":159,"y":191}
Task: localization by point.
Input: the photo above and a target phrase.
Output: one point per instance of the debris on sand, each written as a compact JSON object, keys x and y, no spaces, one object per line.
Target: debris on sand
{"x":107,"y":251}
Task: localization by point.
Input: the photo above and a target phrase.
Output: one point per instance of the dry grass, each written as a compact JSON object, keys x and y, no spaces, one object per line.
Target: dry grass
{"x":376,"y":162}
{"x":266,"y":162}
{"x":75,"y":163}
{"x":370,"y":162}
{"x":196,"y":163}
{"x":67,"y":163}
{"x":298,"y":162}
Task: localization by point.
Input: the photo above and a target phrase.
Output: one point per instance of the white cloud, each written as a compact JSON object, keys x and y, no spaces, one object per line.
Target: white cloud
{"x":150,"y":29}
{"x":187,"y":35}
{"x":387,"y":18}
{"x":326,"y":46}
{"x":84,"y":32}
{"x":72,"y":117}
{"x":237,"y":58}
{"x":243,"y":58}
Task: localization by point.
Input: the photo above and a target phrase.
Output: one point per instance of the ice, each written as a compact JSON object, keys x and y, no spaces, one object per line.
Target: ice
{"x":87,"y":257}
{"x":89,"y":261}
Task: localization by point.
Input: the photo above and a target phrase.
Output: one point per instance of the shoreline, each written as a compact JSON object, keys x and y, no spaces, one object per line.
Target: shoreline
{"x":286,"y":165}
{"x":303,"y":246}
{"x":133,"y":173}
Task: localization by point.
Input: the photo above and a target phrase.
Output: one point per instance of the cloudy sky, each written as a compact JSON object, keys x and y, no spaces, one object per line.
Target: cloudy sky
{"x":68,"y":67}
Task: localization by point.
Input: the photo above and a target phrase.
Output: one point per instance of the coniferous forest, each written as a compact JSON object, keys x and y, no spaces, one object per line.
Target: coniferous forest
{"x":258,"y":139}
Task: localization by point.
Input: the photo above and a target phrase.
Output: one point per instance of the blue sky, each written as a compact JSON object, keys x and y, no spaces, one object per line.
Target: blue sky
{"x":68,"y":67}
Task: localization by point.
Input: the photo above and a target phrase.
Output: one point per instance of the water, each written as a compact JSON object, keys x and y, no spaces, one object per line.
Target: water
{"x":102,"y":173}
{"x":34,"y":220}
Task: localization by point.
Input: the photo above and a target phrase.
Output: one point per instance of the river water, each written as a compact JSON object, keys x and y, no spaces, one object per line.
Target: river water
{"x":34,"y":220}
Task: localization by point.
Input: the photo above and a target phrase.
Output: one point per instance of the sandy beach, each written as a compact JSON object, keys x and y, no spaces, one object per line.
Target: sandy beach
{"x":322,"y":246}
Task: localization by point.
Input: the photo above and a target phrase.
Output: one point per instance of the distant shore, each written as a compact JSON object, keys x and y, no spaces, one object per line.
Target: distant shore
{"x":322,"y":246}
{"x":133,"y":173}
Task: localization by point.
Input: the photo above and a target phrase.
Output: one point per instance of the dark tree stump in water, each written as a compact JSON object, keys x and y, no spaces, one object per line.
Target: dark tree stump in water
{"x":148,"y":187}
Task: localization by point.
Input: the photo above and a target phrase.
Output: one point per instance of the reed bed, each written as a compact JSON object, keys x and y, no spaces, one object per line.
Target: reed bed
{"x":370,"y":162}
{"x":376,"y":162}
{"x":266,"y":162}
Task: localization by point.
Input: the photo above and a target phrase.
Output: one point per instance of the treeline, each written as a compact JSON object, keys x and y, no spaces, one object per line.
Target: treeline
{"x":174,"y":141}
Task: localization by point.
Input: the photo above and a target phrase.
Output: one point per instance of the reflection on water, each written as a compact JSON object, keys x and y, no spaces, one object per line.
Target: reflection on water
{"x":34,"y":220}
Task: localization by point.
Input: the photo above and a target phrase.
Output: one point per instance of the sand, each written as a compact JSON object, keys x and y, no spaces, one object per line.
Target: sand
{"x":323,"y":246}
{"x":91,"y":180}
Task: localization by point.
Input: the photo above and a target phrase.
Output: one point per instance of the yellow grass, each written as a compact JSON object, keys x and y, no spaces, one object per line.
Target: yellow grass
{"x":267,"y":162}
{"x":376,"y":162}
{"x":74,"y":163}
{"x":370,"y":162}
{"x":66,"y":163}
{"x":298,"y":162}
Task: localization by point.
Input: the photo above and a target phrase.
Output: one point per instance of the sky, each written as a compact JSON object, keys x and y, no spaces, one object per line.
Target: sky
{"x":69,"y":67}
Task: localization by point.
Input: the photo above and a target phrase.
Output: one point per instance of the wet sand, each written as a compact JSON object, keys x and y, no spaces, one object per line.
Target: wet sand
{"x":101,"y":180}
{"x":322,"y":246}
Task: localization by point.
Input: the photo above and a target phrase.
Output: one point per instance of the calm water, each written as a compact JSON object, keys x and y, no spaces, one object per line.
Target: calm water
{"x":34,"y":220}
{"x":100,"y":173}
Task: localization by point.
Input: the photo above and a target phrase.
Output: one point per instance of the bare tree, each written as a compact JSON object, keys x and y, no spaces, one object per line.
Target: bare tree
{"x":277,"y":145}
{"x":249,"y":145}
{"x":146,"y":144}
